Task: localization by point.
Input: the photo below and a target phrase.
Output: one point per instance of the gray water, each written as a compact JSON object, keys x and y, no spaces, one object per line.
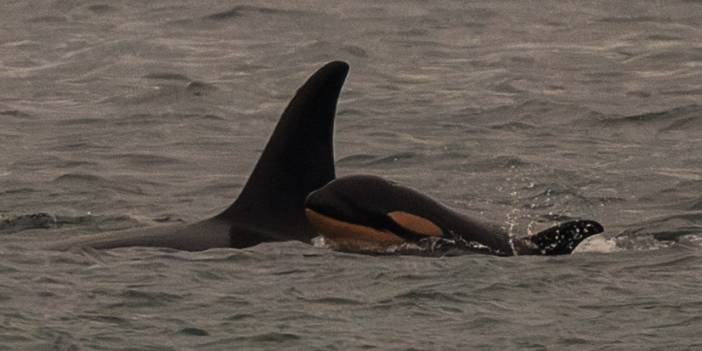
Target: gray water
{"x":121,"y":114}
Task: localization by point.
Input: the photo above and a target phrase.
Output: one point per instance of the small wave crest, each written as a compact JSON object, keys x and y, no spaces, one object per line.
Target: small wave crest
{"x":242,"y":10}
{"x":683,"y":118}
{"x":20,"y":222}
{"x":431,"y":246}
{"x":400,"y":158}
{"x":83,"y":181}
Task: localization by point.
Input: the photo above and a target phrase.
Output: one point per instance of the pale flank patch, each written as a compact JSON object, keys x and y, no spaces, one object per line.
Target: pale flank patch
{"x":415,"y":224}
{"x":352,"y":237}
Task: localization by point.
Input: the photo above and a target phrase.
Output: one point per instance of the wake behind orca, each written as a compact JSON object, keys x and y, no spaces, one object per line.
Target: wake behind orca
{"x":298,"y":159}
{"x":369,"y":214}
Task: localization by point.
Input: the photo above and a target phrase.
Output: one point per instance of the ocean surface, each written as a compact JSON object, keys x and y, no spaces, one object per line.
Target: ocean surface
{"x":120,"y":114}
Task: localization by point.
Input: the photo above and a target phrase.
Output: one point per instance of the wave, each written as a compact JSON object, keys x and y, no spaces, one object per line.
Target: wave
{"x":15,"y":113}
{"x":167,"y":76}
{"x":370,"y":160}
{"x":145,"y":159}
{"x":664,"y":231}
{"x":84,"y":181}
{"x":243,"y":10}
{"x":683,"y":117}
{"x":529,"y":114}
{"x":41,"y":220}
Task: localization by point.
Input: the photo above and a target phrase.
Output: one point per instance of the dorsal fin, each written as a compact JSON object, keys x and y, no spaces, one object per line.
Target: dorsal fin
{"x":298,"y":158}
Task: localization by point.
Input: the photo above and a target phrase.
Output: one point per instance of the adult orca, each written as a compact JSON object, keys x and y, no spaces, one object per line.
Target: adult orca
{"x":369,"y":214}
{"x":298,"y":159}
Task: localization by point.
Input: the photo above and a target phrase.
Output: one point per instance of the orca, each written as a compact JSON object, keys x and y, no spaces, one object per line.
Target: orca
{"x":298,"y":159}
{"x":369,"y":214}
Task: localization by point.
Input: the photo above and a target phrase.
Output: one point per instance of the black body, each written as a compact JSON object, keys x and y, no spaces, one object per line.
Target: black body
{"x":365,"y":201}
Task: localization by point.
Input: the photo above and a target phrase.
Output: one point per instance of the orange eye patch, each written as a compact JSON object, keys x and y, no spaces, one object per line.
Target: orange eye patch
{"x":416,"y":224}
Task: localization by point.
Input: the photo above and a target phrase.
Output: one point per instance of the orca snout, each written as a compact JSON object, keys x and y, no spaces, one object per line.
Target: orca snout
{"x":317,"y":200}
{"x":331,"y":202}
{"x":325,"y":201}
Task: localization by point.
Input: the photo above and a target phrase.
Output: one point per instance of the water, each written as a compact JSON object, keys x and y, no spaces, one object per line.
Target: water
{"x":123,"y":114}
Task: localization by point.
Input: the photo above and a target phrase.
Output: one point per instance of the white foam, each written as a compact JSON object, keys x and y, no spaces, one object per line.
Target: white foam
{"x":320,"y":242}
{"x":597,"y":243}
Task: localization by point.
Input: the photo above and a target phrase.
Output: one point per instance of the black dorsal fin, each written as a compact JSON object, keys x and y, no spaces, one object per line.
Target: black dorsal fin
{"x":298,"y":158}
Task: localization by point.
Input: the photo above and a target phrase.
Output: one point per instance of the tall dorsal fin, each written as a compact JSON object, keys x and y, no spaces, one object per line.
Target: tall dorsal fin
{"x":298,"y":158}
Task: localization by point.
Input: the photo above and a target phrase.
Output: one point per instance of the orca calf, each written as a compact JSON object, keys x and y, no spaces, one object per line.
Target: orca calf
{"x":369,"y":214}
{"x":298,"y":159}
